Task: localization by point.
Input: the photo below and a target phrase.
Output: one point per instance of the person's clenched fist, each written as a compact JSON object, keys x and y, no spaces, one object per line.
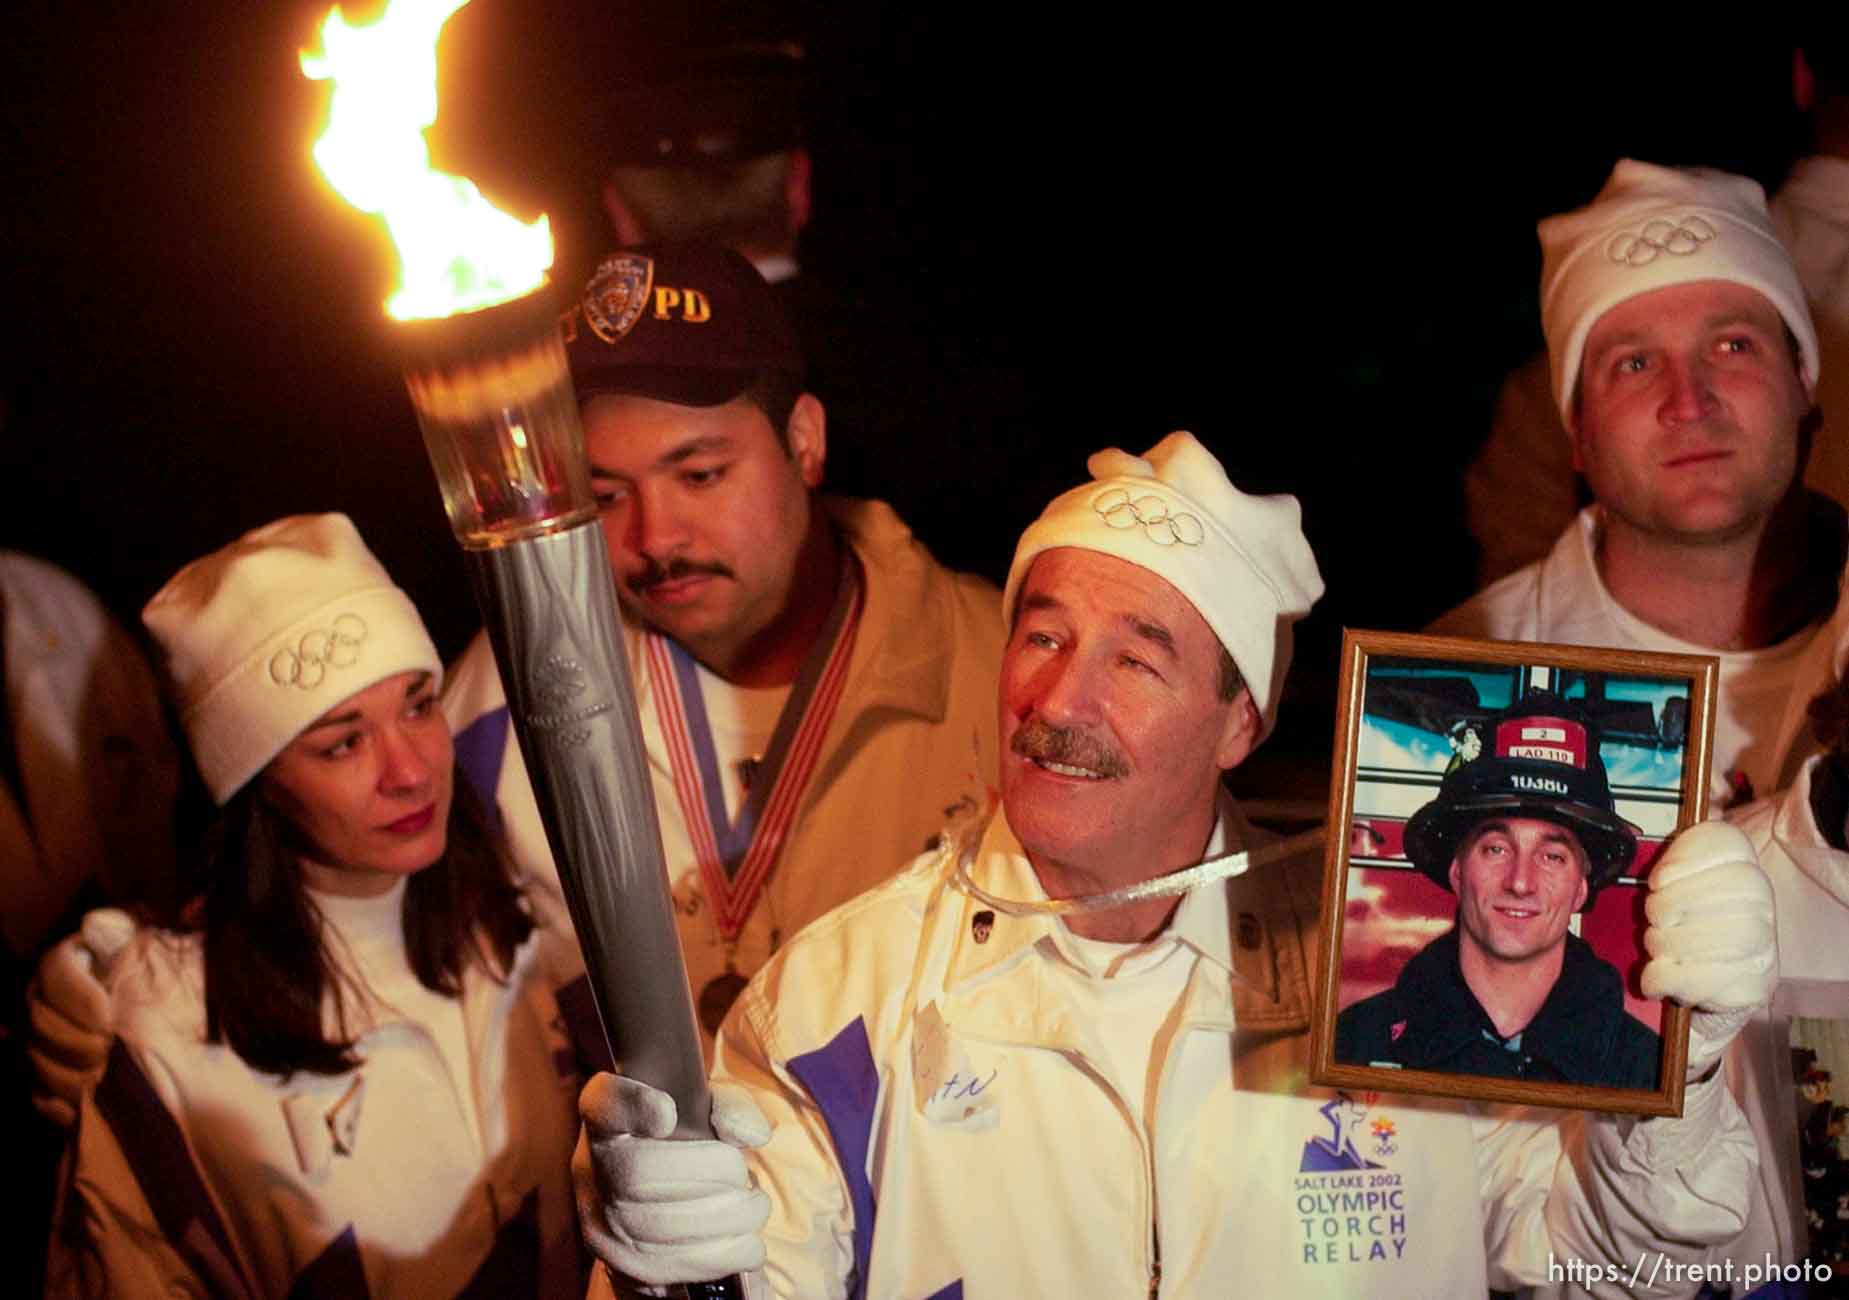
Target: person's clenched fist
{"x":1712,"y":936}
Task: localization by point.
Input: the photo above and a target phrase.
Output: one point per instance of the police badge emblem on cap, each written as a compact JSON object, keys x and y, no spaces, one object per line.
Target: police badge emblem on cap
{"x":617,"y":293}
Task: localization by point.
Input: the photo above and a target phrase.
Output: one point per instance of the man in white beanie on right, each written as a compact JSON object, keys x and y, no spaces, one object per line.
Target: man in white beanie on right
{"x":1684,"y":364}
{"x":1066,"y":1054}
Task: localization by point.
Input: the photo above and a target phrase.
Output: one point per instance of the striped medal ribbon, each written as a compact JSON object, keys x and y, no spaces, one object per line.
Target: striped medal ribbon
{"x":736,"y":857}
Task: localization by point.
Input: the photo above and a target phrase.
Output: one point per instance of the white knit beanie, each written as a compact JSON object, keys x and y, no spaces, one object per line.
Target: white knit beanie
{"x":266,"y":635}
{"x":1649,"y":228}
{"x":1241,"y":560}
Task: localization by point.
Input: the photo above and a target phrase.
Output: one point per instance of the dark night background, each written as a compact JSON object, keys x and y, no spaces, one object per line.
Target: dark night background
{"x":1318,"y":258}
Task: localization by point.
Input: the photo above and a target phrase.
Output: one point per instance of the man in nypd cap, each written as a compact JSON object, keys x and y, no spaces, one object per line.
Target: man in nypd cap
{"x":814,"y":687}
{"x":1066,"y":1053}
{"x":1525,"y":835}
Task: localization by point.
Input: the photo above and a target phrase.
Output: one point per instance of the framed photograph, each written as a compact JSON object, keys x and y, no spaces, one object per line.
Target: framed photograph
{"x":1493,"y":815}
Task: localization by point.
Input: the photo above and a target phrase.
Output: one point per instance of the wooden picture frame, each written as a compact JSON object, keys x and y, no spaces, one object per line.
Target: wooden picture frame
{"x":1413,"y":709}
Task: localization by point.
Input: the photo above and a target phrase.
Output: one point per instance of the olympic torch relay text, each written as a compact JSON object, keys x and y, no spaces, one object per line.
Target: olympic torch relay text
{"x":1659,"y":1270}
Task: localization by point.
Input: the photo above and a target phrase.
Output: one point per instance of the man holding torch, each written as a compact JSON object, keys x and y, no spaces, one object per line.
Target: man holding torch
{"x":1023,"y":1068}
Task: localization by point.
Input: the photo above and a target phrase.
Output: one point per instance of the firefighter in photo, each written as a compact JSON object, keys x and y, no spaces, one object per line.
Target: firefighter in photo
{"x":1525,"y":836}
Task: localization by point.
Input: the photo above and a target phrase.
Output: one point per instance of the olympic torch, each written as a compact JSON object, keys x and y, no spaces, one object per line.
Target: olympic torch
{"x":486,"y":371}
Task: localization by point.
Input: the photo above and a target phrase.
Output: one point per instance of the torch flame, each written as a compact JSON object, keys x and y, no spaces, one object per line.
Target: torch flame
{"x":457,"y":251}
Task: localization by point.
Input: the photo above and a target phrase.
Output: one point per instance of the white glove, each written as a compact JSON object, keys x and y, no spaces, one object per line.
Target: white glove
{"x":70,"y":1015}
{"x":1713,"y":940}
{"x":659,"y":1211}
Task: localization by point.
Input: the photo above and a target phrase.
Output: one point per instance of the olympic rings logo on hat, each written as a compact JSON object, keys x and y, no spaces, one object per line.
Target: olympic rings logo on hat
{"x":1659,"y":236}
{"x":337,"y":646}
{"x":1116,"y":508}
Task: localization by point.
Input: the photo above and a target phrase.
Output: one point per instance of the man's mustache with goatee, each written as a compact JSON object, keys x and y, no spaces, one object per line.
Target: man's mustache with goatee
{"x":1067,"y":746}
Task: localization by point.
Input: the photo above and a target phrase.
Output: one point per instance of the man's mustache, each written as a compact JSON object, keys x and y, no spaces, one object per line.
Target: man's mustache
{"x":674,"y":570}
{"x":1067,"y":746}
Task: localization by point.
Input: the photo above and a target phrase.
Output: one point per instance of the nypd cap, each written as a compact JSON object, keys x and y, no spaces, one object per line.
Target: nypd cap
{"x":690,"y":324}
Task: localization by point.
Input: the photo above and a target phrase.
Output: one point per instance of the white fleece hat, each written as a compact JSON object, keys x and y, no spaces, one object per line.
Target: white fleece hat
{"x":266,"y":635}
{"x":1649,"y":228}
{"x":1241,"y":560}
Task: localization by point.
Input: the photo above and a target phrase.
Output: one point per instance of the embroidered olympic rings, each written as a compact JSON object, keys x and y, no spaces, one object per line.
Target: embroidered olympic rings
{"x":336,"y":646}
{"x":1152,"y":513}
{"x":1642,"y":247}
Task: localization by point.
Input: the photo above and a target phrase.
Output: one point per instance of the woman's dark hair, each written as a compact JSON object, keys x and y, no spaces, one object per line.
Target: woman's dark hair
{"x":267,"y":971}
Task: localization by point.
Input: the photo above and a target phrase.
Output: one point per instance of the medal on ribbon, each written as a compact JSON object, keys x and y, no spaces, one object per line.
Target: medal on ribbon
{"x":736,"y":857}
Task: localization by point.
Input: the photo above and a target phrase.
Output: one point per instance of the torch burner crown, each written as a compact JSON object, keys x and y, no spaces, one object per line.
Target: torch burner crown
{"x":494,"y":399}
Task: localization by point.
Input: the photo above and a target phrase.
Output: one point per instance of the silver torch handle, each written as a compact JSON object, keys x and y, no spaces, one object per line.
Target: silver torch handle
{"x":550,"y":607}
{"x":494,"y":399}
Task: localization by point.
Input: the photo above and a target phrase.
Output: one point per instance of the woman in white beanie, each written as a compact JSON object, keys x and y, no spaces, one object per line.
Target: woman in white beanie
{"x":342,"y":1070}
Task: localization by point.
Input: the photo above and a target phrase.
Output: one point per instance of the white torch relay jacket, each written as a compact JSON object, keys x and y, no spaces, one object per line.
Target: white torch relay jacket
{"x":190,"y":1173}
{"x":945,"y":1127}
{"x":912,"y":738}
